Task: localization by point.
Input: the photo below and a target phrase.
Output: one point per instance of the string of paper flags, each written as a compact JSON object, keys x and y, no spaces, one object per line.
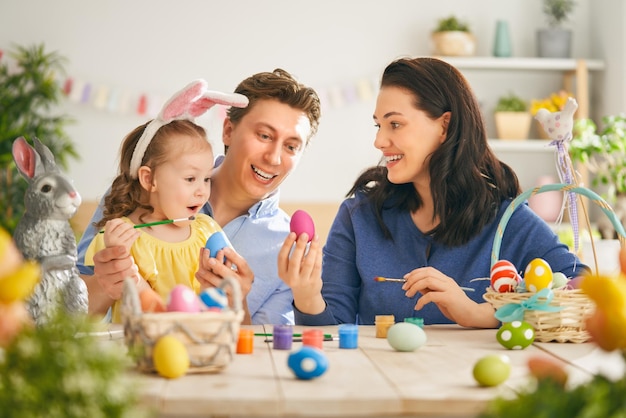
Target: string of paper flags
{"x":124,"y":101}
{"x":117,"y":100}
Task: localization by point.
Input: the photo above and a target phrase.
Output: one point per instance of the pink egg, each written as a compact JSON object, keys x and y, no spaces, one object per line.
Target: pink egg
{"x":504,"y":277}
{"x":302,"y":222}
{"x":183,"y":299}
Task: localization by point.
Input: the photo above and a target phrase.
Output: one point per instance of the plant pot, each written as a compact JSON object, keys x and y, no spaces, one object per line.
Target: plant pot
{"x":513,"y":125}
{"x":453,"y":43}
{"x":554,"y":43}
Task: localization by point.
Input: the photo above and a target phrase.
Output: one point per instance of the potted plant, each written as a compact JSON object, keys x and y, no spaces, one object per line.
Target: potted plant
{"x":555,"y":41}
{"x":29,"y":95}
{"x":512,"y":117}
{"x":603,"y":154}
{"x":452,"y":37}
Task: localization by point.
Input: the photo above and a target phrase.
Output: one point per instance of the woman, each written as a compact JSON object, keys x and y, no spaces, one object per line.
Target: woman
{"x":427,"y":214}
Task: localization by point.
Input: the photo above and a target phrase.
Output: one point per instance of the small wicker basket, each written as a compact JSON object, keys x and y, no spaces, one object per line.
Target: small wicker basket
{"x":568,"y":323}
{"x":210,"y":337}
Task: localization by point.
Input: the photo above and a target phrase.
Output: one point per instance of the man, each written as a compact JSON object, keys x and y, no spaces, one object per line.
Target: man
{"x":263,"y":144}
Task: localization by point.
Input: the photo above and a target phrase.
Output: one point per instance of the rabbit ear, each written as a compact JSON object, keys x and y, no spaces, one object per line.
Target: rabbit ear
{"x":211,"y":98}
{"x":26,"y":159}
{"x":189,"y":103}
{"x":47,"y":158}
{"x":177,"y":107}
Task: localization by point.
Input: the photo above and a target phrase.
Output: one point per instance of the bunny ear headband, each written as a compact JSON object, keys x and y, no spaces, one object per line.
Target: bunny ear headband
{"x":189,"y":103}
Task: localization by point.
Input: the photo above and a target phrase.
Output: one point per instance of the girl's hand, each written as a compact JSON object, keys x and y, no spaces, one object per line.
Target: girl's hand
{"x":301,"y":269}
{"x":120,"y":233}
{"x":453,"y":302}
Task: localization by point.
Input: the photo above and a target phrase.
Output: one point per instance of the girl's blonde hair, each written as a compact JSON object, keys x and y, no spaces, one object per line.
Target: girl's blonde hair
{"x":126,"y":192}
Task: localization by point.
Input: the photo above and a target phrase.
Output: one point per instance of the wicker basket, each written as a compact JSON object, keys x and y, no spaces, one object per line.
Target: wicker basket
{"x":567,"y":324}
{"x":210,"y":337}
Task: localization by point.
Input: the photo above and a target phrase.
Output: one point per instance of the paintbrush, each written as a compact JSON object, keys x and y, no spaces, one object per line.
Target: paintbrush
{"x":389,"y":279}
{"x":167,"y":221}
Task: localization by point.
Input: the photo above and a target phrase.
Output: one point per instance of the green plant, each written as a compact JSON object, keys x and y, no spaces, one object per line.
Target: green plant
{"x":602,"y":152}
{"x":511,"y":103}
{"x":29,"y":95}
{"x":558,"y":11}
{"x":61,"y":370}
{"x":450,"y":24}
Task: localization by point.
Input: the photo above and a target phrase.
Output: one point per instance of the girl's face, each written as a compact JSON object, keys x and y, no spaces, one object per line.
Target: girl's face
{"x":406,"y":136}
{"x":181,"y":185}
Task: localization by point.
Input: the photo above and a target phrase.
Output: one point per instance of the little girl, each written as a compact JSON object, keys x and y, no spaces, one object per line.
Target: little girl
{"x":164,"y":174}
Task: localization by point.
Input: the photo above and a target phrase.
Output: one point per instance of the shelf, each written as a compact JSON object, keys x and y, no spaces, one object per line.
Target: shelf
{"x":521,"y":63}
{"x":532,"y":145}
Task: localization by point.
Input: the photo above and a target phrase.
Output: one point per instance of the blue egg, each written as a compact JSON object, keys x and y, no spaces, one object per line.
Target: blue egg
{"x":216,"y":242}
{"x":214,"y":297}
{"x":308,"y":362}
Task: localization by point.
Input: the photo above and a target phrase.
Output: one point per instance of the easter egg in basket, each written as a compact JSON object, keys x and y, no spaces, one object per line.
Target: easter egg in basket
{"x":504,"y":277}
{"x":538,"y":275}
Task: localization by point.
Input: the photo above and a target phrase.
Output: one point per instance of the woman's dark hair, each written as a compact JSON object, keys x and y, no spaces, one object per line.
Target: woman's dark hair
{"x":467,"y":181}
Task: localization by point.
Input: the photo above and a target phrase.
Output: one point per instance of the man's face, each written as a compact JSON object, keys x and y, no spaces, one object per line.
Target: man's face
{"x":264,"y":147}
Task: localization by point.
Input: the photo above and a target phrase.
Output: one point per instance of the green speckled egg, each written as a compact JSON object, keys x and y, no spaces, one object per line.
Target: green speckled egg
{"x":516,"y":335}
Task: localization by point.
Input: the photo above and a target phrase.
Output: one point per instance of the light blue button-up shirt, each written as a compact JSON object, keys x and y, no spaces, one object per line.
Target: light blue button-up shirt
{"x":257,"y":236}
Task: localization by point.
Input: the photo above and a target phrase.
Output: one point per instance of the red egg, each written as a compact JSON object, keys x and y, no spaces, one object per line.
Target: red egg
{"x":504,"y":277}
{"x":302,"y":222}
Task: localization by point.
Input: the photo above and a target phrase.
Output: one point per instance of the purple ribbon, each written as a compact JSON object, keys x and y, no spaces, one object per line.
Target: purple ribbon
{"x":563,"y":167}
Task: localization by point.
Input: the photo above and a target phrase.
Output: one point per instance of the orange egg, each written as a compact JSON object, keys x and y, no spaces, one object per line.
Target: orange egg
{"x":545,"y":368}
{"x":622,"y":259}
{"x":151,"y":301}
{"x":538,"y":275}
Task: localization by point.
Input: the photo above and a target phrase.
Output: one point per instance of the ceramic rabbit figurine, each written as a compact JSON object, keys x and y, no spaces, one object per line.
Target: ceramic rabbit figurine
{"x":44,"y":233}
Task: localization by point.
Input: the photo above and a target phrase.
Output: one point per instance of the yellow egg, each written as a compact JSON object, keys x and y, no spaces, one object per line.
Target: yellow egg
{"x":538,"y":275}
{"x":21,"y":283}
{"x":170,"y":357}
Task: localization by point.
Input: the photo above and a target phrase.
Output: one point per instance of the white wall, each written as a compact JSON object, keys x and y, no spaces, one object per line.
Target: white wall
{"x":157,"y":46}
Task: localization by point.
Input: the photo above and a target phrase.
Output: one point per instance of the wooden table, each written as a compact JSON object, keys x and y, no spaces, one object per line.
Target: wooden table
{"x":373,"y":380}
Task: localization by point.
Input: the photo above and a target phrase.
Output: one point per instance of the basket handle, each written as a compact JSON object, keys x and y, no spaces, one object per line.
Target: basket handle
{"x":595,"y":198}
{"x":233,"y":284}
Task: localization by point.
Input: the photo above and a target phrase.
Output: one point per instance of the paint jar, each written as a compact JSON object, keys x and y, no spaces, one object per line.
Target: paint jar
{"x":245,"y":342}
{"x":313,"y":338}
{"x":383,"y":323}
{"x":283,"y":337}
{"x":417,"y":321}
{"x":348,"y":335}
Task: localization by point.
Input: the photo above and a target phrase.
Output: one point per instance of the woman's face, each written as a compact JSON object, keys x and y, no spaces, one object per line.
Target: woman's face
{"x":406,"y":136}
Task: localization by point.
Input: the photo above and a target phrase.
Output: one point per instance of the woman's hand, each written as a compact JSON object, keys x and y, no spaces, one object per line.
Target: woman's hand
{"x":301,"y":269}
{"x":442,"y":290}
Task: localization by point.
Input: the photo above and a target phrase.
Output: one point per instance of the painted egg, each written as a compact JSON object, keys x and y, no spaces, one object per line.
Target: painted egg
{"x":302,"y":222}
{"x":404,"y":336}
{"x":307,"y":362}
{"x":183,"y":299}
{"x":214,"y":297}
{"x":538,"y":275}
{"x":151,"y":301}
{"x":516,"y":335}
{"x":559,"y":280}
{"x":492,"y":369}
{"x":216,"y":242}
{"x":504,"y":277}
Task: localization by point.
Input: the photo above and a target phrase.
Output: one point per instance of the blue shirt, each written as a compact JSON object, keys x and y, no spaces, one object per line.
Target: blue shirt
{"x":257,"y":236}
{"x":356,"y":252}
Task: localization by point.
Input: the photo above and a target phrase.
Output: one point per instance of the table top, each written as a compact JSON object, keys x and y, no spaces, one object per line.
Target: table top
{"x":373,"y":380}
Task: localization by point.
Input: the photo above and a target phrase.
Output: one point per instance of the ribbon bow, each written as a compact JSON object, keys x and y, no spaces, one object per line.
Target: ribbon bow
{"x":540,"y":301}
